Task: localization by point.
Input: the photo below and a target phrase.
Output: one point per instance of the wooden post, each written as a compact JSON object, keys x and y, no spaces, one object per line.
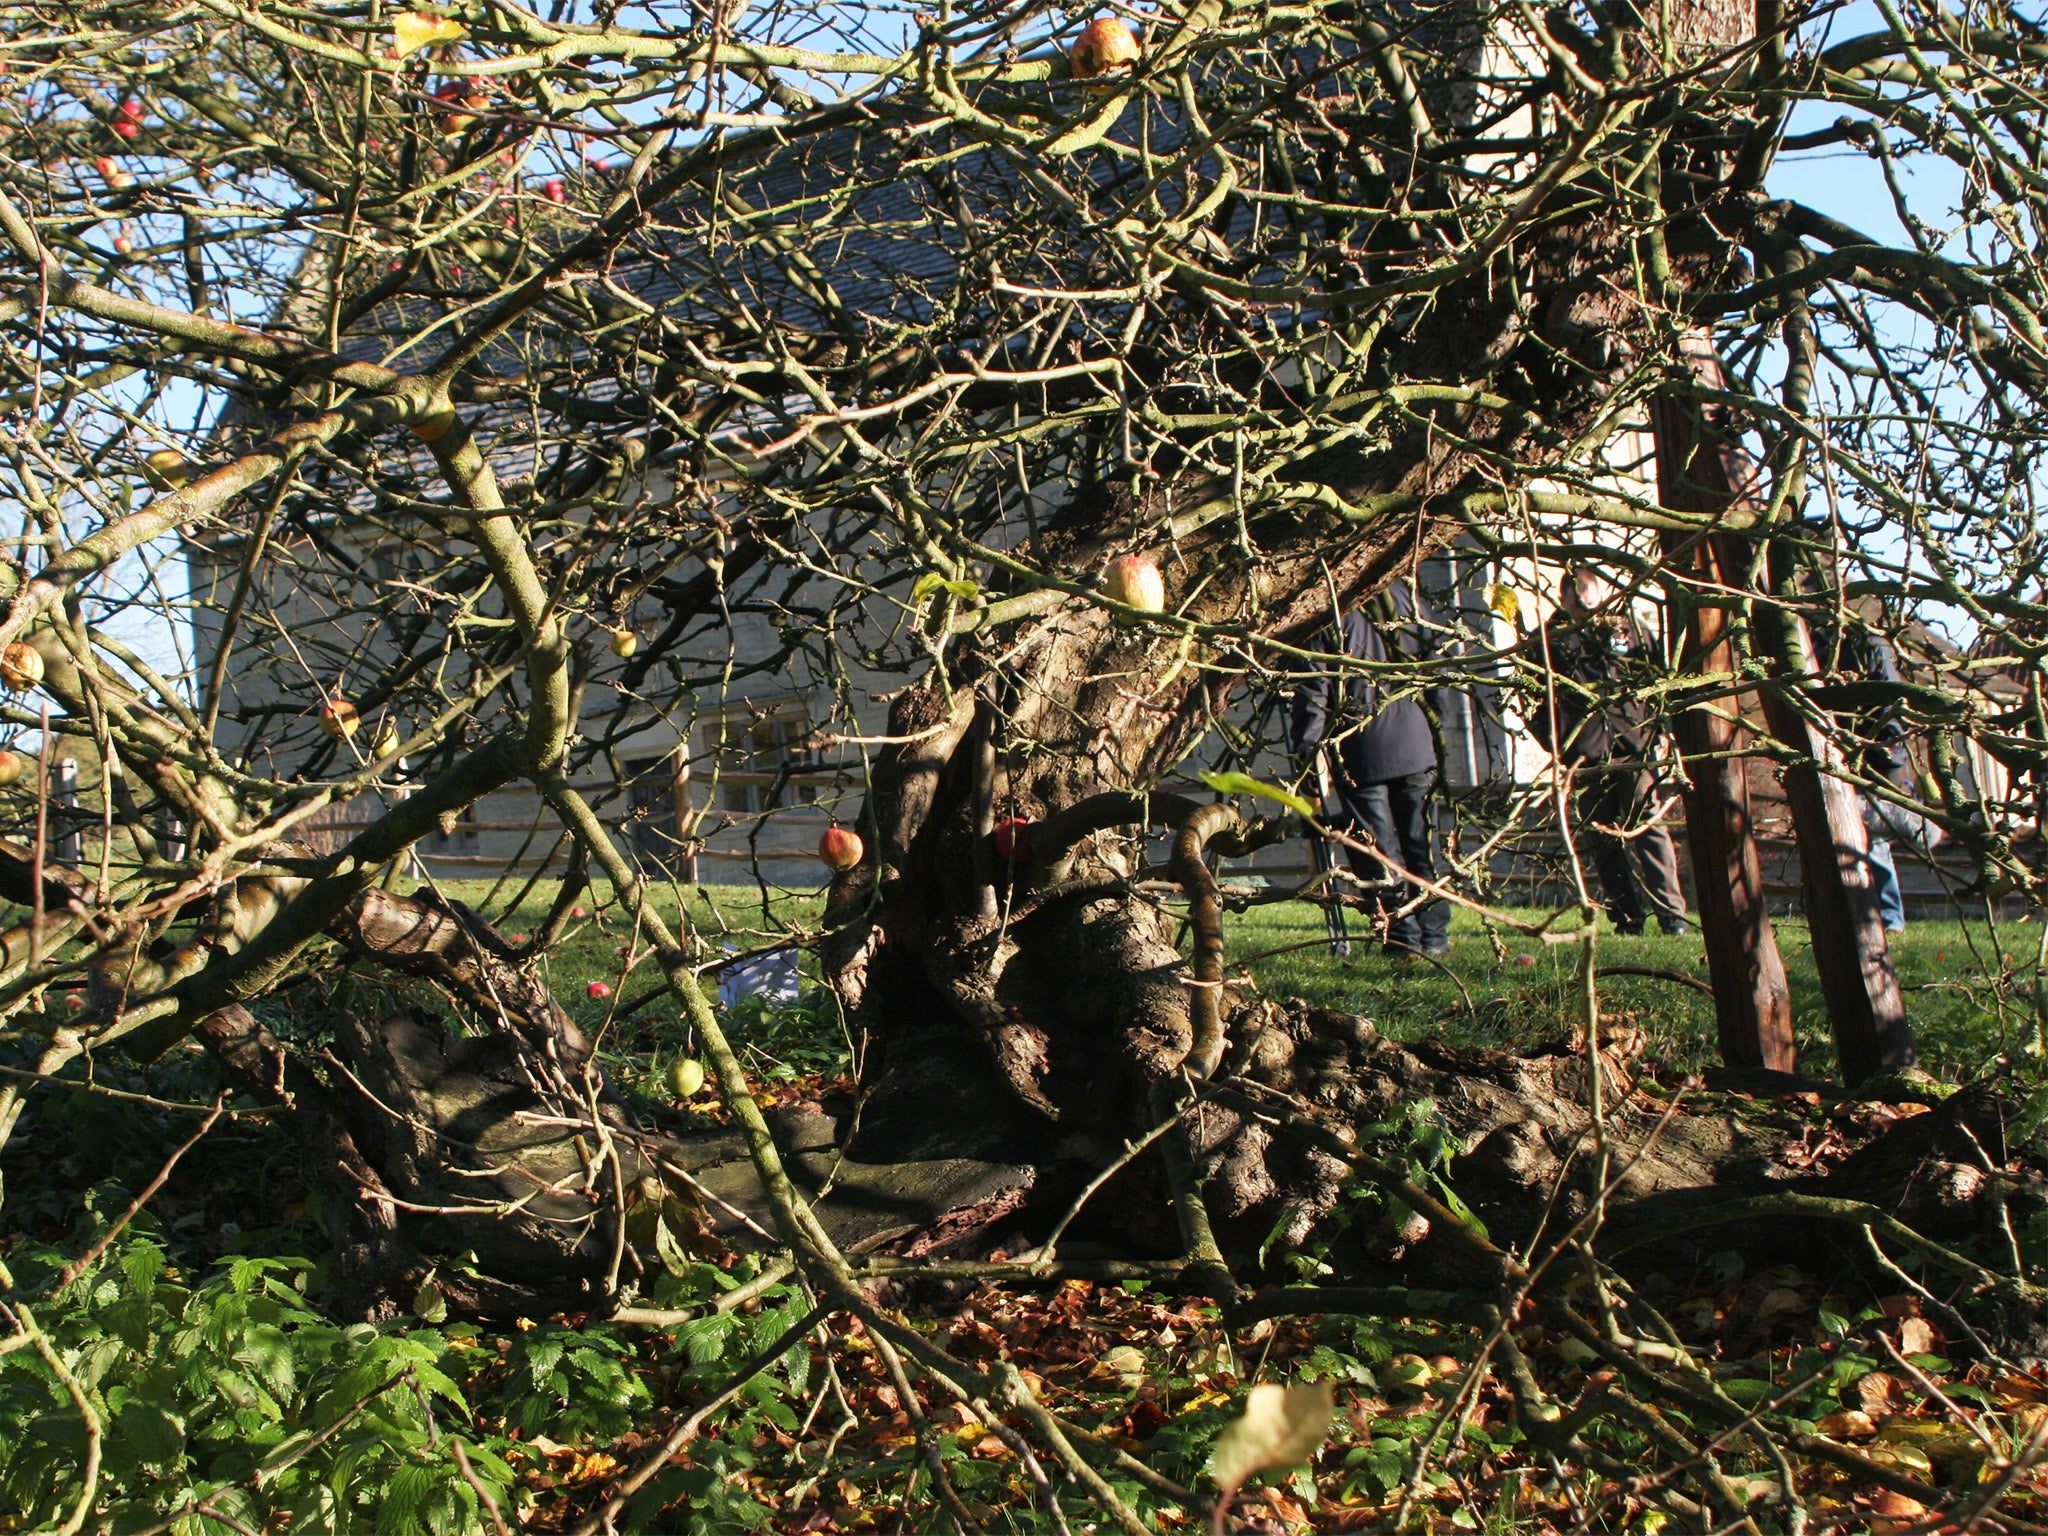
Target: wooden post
{"x":1752,"y":1001}
{"x":1865,"y":1009}
{"x":1850,"y":950}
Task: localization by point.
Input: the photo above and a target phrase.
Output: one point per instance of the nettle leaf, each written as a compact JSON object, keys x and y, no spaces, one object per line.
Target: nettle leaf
{"x":437,"y":1383}
{"x":429,"y":1302}
{"x":704,"y":1338}
{"x":408,"y":1495}
{"x":542,"y":1355}
{"x":1747,"y":1390}
{"x":144,"y":1265}
{"x":1281,"y":1427}
{"x":146,"y":1436}
{"x":1245,"y":784}
{"x":268,"y":1352}
{"x":796,"y":1365}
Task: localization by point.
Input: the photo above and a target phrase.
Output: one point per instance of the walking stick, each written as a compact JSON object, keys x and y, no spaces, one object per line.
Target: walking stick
{"x":1325,"y":861}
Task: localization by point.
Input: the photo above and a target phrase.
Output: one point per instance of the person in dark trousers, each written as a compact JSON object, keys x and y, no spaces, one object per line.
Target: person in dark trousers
{"x":1383,"y":764}
{"x":1593,"y":648}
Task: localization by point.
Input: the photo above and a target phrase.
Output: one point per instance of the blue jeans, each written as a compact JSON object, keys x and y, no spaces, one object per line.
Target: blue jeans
{"x":1884,"y":875}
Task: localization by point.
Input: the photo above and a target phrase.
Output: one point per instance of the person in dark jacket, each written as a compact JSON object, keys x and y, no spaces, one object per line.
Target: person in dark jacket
{"x":1592,"y":649}
{"x":1383,"y":764}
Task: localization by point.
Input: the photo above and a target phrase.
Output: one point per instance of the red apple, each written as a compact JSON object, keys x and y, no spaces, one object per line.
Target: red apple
{"x":1013,"y":839}
{"x":12,"y":767}
{"x":123,"y":244}
{"x":555,"y":191}
{"x":458,"y":95}
{"x":578,"y":912}
{"x":1135,"y":580}
{"x":516,"y":938}
{"x":1104,"y":44}
{"x":600,"y":989}
{"x":840,"y":848}
{"x":128,"y":118}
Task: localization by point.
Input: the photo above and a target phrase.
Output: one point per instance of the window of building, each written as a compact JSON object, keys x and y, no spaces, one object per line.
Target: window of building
{"x":761,"y":759}
{"x":654,"y":810}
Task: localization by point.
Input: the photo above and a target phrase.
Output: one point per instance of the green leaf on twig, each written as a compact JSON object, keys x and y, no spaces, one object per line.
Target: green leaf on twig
{"x":1245,"y":784}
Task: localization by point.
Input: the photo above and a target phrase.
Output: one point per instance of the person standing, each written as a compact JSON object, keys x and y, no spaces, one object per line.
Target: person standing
{"x":1383,"y":764}
{"x":1593,"y":645}
{"x":1865,"y":653}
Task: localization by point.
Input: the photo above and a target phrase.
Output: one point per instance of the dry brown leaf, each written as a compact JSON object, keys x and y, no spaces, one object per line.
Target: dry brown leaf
{"x":1778,"y":1302}
{"x":1916,"y":1336}
{"x":1849,"y":1424}
{"x":1892,"y":1513}
{"x":1878,"y":1395}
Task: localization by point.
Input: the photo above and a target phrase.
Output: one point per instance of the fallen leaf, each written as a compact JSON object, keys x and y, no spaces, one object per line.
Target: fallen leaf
{"x":1849,"y":1424}
{"x":1916,"y":1336}
{"x":1281,"y":1426}
{"x":1126,"y":1363}
{"x":1877,"y":1394}
{"x":1909,"y":1459}
{"x":2029,"y":1428}
{"x":1892,"y":1513}
{"x":1778,"y":1302}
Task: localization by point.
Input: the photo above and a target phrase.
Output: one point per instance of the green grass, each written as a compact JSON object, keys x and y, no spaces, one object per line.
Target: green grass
{"x":1966,"y":1003}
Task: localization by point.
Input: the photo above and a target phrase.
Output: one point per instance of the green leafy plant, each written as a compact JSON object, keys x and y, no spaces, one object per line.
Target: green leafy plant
{"x":234,"y":1398}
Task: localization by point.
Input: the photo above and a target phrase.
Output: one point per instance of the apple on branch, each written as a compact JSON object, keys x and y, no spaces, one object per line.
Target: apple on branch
{"x":1134,"y":580}
{"x":21,"y":666}
{"x":840,"y":848}
{"x":1105,"y":44}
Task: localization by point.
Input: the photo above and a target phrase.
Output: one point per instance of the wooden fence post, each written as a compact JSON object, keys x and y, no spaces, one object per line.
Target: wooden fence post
{"x":1752,"y":1001}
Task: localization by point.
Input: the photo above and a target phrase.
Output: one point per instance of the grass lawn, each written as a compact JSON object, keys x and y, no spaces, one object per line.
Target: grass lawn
{"x":1969,"y":992}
